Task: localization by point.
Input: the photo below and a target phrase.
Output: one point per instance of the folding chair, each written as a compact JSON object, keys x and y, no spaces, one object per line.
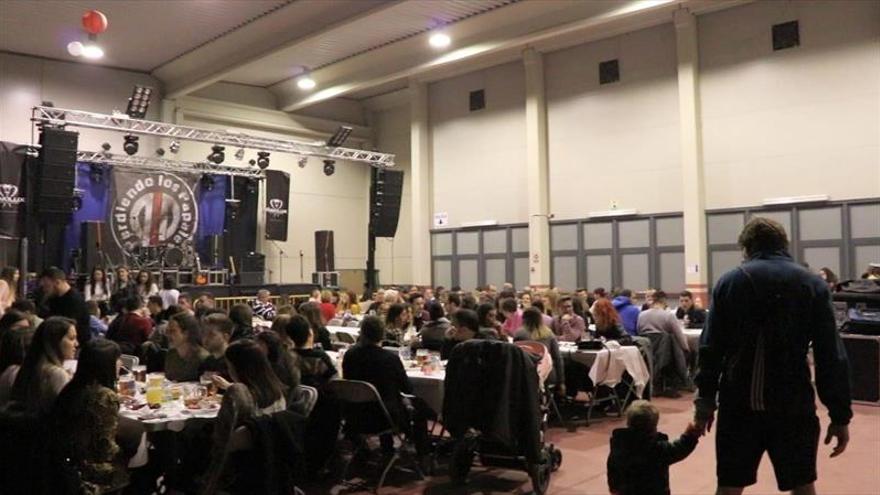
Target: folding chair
{"x":303,"y":399}
{"x":354,"y":396}
{"x":129,"y":361}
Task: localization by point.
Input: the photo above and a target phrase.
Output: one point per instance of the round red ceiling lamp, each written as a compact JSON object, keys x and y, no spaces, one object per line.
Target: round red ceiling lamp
{"x":94,"y":22}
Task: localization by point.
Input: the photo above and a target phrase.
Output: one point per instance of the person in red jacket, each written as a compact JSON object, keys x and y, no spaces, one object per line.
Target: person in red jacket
{"x":131,"y":329}
{"x":328,"y":309}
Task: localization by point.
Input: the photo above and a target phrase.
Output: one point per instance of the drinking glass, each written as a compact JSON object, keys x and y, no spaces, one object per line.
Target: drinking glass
{"x":139,"y":372}
{"x":126,"y":386}
{"x":193,"y":394}
{"x":155,"y":380}
{"x":155,"y":395}
{"x":405,"y":353}
{"x":207,"y":381}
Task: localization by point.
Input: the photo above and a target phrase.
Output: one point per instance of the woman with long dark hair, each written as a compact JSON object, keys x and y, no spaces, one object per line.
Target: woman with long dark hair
{"x":283,"y":362}
{"x":86,"y":416}
{"x":145,"y":285}
{"x":185,"y":357}
{"x":312,"y":313}
{"x":42,"y":376}
{"x":242,"y":317}
{"x":97,"y":288}
{"x":14,"y":342}
{"x":255,"y":390}
{"x":8,"y":287}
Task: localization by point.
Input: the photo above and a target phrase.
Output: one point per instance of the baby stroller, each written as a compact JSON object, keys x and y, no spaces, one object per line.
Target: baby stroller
{"x":494,"y":409}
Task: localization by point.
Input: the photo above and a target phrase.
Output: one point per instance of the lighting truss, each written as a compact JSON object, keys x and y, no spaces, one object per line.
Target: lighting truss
{"x":157,"y":164}
{"x":123,"y":123}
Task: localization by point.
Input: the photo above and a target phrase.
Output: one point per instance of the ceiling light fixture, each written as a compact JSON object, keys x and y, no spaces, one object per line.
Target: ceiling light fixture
{"x":440,"y":40}
{"x":217,"y":154}
{"x":263,"y":159}
{"x":305,"y":82}
{"x":174,"y":147}
{"x":92,"y":51}
{"x":303,"y":161}
{"x":329,"y":167}
{"x":239,"y":155}
{"x":139,"y":101}
{"x":131,"y":144}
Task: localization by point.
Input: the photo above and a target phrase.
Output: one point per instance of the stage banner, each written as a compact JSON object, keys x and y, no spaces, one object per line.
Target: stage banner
{"x":12,"y":188}
{"x":152,"y":209}
{"x":277,"y":204}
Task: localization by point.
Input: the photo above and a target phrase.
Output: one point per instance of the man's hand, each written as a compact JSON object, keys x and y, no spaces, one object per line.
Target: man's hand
{"x":842,"y":434}
{"x":704,"y":425}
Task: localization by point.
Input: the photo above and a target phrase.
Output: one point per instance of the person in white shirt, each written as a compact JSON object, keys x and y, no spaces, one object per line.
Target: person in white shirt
{"x":97,"y":288}
{"x":169,"y":293}
{"x":146,"y":287}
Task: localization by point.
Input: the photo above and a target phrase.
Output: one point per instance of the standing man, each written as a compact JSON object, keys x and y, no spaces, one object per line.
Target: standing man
{"x":263,"y":306}
{"x":753,"y":364}
{"x":64,"y":300}
{"x":568,"y":326}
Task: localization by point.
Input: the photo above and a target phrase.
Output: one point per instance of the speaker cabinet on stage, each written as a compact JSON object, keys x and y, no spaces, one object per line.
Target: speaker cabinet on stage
{"x":55,"y":175}
{"x":864,"y":363}
{"x":386,"y":187}
{"x":251,"y":278}
{"x":91,"y":245}
{"x":252,"y":262}
{"x":325,"y":259}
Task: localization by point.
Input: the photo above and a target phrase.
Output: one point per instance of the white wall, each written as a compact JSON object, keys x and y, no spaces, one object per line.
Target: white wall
{"x":392,"y":135}
{"x":27,"y":81}
{"x":479,"y":157}
{"x":799,"y":121}
{"x":617,"y":142}
{"x":317,"y":202}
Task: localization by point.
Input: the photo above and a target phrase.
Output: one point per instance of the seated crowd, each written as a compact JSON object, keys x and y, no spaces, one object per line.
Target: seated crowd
{"x":258,"y":368}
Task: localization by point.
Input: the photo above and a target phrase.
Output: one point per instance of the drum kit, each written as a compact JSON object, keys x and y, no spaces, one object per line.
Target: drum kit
{"x":164,"y":257}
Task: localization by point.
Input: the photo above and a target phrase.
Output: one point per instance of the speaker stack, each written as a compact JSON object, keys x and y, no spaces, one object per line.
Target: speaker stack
{"x":386,"y":187}
{"x":325,"y":273}
{"x":55,"y":175}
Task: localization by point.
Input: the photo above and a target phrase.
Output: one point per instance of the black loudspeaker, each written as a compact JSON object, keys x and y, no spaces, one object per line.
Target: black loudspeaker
{"x":325,"y":259}
{"x":253,"y":262}
{"x":864,"y":363}
{"x":251,"y":278}
{"x":91,"y":245}
{"x":386,"y":187}
{"x":55,"y":175}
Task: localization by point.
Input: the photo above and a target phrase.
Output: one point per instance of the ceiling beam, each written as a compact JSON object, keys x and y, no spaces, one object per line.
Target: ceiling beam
{"x":545,"y":26}
{"x":306,"y":20}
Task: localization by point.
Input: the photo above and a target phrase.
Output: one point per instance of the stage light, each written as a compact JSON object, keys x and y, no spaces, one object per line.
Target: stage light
{"x":439,"y":40}
{"x":160,"y":152}
{"x":207,"y":182}
{"x":139,"y":101}
{"x":96,"y":173}
{"x":92,"y":51}
{"x":329,"y":167}
{"x":305,"y":82}
{"x":174,"y":147}
{"x":339,"y":136}
{"x":263,"y":159}
{"x":217,"y":154}
{"x":106,"y":147}
{"x":303,"y":161}
{"x":252,"y":162}
{"x":239,"y":155}
{"x":76,"y":204}
{"x":131,"y":144}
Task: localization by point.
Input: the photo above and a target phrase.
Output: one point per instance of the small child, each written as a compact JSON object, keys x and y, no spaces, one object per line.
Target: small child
{"x":640,"y":456}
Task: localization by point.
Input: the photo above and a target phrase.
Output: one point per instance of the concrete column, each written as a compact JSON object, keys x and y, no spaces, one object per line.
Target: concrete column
{"x":422,"y":183}
{"x":537,"y":170}
{"x":695,"y":249}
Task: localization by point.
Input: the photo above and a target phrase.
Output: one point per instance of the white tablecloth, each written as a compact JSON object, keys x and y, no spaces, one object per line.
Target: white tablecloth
{"x":693,"y":338}
{"x":429,"y":388}
{"x":353,"y":331}
{"x":171,"y":416}
{"x":607,"y":365}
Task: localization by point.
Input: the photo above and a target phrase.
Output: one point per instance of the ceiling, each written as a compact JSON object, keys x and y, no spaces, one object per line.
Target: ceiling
{"x":353,"y":48}
{"x":141,"y":35}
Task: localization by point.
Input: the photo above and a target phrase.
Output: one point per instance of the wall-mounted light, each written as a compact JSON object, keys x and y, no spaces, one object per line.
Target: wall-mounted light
{"x":439,"y":40}
{"x":612,"y":213}
{"x":790,"y":200}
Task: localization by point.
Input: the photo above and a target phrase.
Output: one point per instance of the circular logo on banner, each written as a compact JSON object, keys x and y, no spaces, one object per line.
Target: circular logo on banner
{"x":276,"y":208}
{"x":154,"y":210}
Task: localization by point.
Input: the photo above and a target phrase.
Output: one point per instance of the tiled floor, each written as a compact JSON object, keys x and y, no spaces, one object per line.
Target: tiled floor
{"x":856,"y":472}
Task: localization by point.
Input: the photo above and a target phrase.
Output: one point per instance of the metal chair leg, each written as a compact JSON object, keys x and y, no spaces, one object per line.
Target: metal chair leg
{"x":388,"y":467}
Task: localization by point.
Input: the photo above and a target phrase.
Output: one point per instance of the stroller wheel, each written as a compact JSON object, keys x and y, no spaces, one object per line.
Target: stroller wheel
{"x":555,"y":458}
{"x":462,"y":458}
{"x":540,"y":475}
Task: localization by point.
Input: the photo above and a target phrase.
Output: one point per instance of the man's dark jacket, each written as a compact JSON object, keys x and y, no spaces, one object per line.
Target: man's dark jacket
{"x":765,"y":315}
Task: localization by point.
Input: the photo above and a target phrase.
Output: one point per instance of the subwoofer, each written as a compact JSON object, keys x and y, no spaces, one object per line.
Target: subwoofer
{"x":864,"y":362}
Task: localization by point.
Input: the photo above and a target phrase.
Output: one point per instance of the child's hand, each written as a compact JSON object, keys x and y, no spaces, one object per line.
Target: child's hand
{"x":693,"y":430}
